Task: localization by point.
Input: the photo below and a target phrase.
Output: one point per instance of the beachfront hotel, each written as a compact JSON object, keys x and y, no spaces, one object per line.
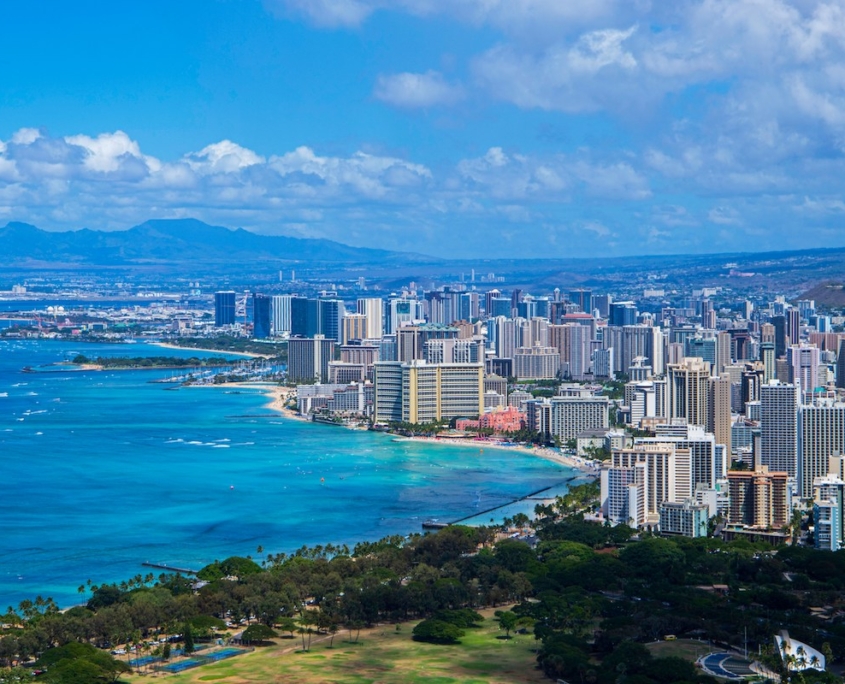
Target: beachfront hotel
{"x":421,"y":392}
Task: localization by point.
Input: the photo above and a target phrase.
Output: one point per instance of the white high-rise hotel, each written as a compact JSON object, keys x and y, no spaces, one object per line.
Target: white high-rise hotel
{"x":779,"y":427}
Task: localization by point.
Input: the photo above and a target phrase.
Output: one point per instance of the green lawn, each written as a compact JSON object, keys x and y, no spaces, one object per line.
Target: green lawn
{"x":688,"y":649}
{"x":382,"y":656}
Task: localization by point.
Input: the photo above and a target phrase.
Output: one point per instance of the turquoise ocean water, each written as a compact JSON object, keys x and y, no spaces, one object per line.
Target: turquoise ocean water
{"x":101,"y":471}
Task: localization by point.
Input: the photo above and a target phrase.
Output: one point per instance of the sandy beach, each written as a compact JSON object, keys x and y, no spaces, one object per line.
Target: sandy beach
{"x":541,"y":452}
{"x":278,"y":396}
{"x":221,"y":352}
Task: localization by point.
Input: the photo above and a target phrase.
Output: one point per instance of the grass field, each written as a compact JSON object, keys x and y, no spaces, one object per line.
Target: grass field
{"x":688,"y":649}
{"x":382,"y":656}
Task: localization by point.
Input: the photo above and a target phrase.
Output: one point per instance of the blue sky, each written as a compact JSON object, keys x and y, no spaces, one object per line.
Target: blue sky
{"x":493,"y":128}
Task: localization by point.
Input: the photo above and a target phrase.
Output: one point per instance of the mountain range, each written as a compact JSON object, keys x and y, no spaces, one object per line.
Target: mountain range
{"x":168,"y":241}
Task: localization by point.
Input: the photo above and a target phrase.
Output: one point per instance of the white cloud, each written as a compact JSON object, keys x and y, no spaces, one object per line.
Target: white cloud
{"x":25,"y":136}
{"x":325,"y":13}
{"x":222,"y":157}
{"x":415,"y":91}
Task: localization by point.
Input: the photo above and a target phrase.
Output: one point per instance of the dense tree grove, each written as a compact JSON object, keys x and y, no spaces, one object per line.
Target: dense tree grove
{"x":592,"y":595}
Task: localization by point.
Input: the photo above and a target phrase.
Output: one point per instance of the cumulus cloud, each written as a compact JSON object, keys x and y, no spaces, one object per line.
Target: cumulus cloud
{"x":517,"y":17}
{"x":414,"y":91}
{"x":107,"y":181}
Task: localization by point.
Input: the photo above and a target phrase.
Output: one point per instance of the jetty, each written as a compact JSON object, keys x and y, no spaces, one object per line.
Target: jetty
{"x":436,"y":525}
{"x":170,"y":568}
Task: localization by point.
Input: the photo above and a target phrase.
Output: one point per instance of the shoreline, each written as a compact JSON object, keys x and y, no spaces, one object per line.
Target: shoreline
{"x":170,"y":345}
{"x":278,"y":396}
{"x":539,"y":452}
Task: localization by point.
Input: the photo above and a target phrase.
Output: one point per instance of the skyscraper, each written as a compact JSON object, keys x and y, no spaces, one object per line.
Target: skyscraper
{"x":583,"y":298}
{"x":224,"y":308}
{"x":779,"y":427}
{"x":689,"y":390}
{"x":779,"y":323}
{"x":840,"y":364}
{"x":373,"y":309}
{"x":793,"y":325}
{"x":261,"y":316}
{"x":804,"y":366}
{"x":304,"y":317}
{"x":622,"y":313}
{"x":308,"y":359}
{"x":354,"y":327}
{"x":821,"y":434}
{"x":331,"y":318}
{"x":719,"y":409}
{"x":281,"y":314}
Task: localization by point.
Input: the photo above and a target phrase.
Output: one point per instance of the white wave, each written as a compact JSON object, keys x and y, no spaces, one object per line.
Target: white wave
{"x":39,"y":433}
{"x":195,"y":443}
{"x":174,"y":441}
{"x":220,"y":446}
{"x":4,"y":394}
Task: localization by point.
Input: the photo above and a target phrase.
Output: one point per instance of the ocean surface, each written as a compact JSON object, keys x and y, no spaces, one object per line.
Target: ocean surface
{"x":102,"y":471}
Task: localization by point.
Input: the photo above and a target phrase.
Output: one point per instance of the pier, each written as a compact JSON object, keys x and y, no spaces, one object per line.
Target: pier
{"x":170,"y":568}
{"x":435,"y":525}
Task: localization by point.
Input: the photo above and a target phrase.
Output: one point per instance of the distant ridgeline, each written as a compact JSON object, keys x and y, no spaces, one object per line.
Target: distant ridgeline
{"x":593,"y":597}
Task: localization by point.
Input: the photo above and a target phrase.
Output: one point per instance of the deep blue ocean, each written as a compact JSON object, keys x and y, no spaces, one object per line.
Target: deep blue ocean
{"x":101,"y":471}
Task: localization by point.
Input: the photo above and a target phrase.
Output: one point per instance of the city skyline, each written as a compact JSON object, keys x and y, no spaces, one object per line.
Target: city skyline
{"x":463,"y":129}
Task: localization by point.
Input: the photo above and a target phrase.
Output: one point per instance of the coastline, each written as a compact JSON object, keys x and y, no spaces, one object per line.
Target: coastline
{"x":540,"y":452}
{"x":278,"y":396}
{"x":222,"y":352}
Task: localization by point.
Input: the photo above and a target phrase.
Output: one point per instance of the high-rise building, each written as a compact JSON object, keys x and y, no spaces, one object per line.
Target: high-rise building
{"x":308,"y":359}
{"x":373,"y":309}
{"x":387,"y":402}
{"x":633,"y":341}
{"x":355,"y":328}
{"x":804,"y":366}
{"x":331,"y":313}
{"x":779,"y":324}
{"x":500,"y":306}
{"x":701,"y":347}
{"x":769,"y":361}
{"x":840,"y":364}
{"x":698,"y":459}
{"x":281,"y":314}
{"x":767,"y":333}
{"x":684,"y":519}
{"x":622,"y":313}
{"x":719,"y":409}
{"x":821,"y":434}
{"x":583,"y":299}
{"x":828,"y":512}
{"x":758,"y":498}
{"x":571,"y":416}
{"x":622,"y":495}
{"x":793,"y":326}
{"x":689,"y":390}
{"x":441,"y":391}
{"x":224,"y":308}
{"x":402,"y":311}
{"x":659,"y":479}
{"x":304,"y":317}
{"x":779,"y":427}
{"x":601,"y":303}
{"x":536,"y":363}
{"x":262,"y":325}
